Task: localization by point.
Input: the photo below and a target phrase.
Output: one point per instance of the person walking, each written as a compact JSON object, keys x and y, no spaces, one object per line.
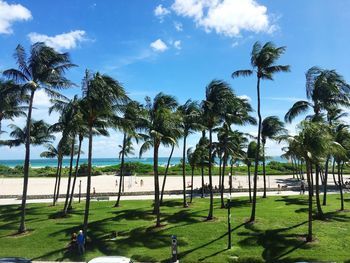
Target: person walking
{"x":81,"y":242}
{"x":302,"y":187}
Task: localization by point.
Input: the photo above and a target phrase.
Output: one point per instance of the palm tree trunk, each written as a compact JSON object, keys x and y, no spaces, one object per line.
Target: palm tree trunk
{"x":192,"y":172}
{"x":325,"y":182}
{"x":310,"y":186}
{"x":121,"y":171}
{"x":320,"y":214}
{"x":249,"y":185}
{"x":264,"y":169}
{"x":223,"y":182}
{"x":75,"y":174}
{"x":88,"y":184}
{"x":56,"y":181}
{"x":184,"y":172}
{"x":340,"y":188}
{"x":312,"y":179}
{"x":211,"y":204}
{"x":59,"y":180}
{"x":220,"y":165}
{"x":252,"y":217}
{"x":333,"y":172}
{"x":231,"y":174}
{"x":156,"y":183}
{"x":166,"y":173}
{"x":22,"y":226}
{"x":65,"y":209}
{"x":202,"y":175}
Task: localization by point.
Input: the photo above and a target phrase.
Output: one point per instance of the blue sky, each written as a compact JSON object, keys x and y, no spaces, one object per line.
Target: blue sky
{"x":178,"y":47}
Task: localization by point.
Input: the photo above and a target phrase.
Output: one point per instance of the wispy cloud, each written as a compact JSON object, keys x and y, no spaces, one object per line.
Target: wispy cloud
{"x":292,"y":99}
{"x":160,"y":12}
{"x":158,"y":45}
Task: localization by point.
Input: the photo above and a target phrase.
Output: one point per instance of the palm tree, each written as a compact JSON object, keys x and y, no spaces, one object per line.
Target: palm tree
{"x":249,"y":158}
{"x":312,"y":143}
{"x":263,"y":59}
{"x":100,"y":95}
{"x":11,"y":101}
{"x":324,"y":89}
{"x":160,"y":128}
{"x":217,"y":98}
{"x":271,"y":128}
{"x":43,"y":70}
{"x":39,"y":134}
{"x":193,"y":158}
{"x":202,"y":148}
{"x":129,"y":123}
{"x":189,"y":113}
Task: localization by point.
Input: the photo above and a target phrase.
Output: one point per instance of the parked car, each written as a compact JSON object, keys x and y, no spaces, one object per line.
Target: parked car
{"x":110,"y":259}
{"x":14,"y":260}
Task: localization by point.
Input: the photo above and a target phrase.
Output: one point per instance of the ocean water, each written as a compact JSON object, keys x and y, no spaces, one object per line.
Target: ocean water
{"x":36,"y":163}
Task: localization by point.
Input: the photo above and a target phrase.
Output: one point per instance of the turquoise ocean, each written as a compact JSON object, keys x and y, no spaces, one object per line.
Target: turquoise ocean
{"x":36,"y":163}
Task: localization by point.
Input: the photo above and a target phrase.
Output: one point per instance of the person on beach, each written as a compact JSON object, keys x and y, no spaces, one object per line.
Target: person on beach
{"x":81,"y":242}
{"x":116,"y":183}
{"x":279,"y":189}
{"x":141,"y":182}
{"x":93,"y":191}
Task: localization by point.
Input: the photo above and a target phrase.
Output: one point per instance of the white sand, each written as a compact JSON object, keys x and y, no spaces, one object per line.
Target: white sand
{"x":107,"y":183}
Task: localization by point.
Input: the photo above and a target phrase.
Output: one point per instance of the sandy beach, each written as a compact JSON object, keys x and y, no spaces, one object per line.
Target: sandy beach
{"x":107,"y":183}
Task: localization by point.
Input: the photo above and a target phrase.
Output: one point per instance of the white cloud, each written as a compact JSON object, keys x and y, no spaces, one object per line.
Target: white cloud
{"x":10,"y":13}
{"x":178,"y":26}
{"x":226,"y":17}
{"x":235,"y":44}
{"x":159,"y":45}
{"x":62,"y":41}
{"x":161,"y":12}
{"x":177,"y":44}
{"x":245,"y":97}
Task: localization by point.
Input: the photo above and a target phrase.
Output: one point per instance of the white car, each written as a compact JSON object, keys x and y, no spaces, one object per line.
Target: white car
{"x":111,"y":259}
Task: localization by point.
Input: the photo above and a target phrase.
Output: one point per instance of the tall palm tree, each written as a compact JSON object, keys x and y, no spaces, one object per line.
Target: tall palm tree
{"x":263,"y":59}
{"x":271,"y":128}
{"x":11,"y":100}
{"x":160,"y":128}
{"x":218,"y":97}
{"x":100,"y":95}
{"x":43,"y":70}
{"x":130,"y":121}
{"x":190,"y":114}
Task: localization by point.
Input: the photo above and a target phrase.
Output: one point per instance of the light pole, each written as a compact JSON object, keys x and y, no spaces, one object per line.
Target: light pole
{"x":229,"y":221}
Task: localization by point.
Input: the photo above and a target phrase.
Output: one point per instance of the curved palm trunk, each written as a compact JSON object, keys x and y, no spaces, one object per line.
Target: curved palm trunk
{"x":249,"y":185}
{"x":320,"y":214}
{"x":223,"y":182}
{"x":252,"y":217}
{"x":65,"y":209}
{"x":156,"y":183}
{"x":192,"y":172}
{"x":264,"y":169}
{"x":166,"y":173}
{"x":340,"y":188}
{"x":184,"y":172}
{"x":56,"y":181}
{"x":333,"y":172}
{"x":211,"y":205}
{"x":310,"y":186}
{"x":22,"y":227}
{"x":121,"y":172}
{"x":325,"y":182}
{"x":88,"y":185}
{"x":75,"y":174}
{"x":312,"y":178}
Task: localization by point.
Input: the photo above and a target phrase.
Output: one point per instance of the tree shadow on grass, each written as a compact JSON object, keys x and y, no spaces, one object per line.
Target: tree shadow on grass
{"x":293,"y":200}
{"x":277,"y":243}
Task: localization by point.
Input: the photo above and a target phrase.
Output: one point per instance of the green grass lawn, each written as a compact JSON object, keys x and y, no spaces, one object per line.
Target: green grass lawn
{"x":277,"y":236}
